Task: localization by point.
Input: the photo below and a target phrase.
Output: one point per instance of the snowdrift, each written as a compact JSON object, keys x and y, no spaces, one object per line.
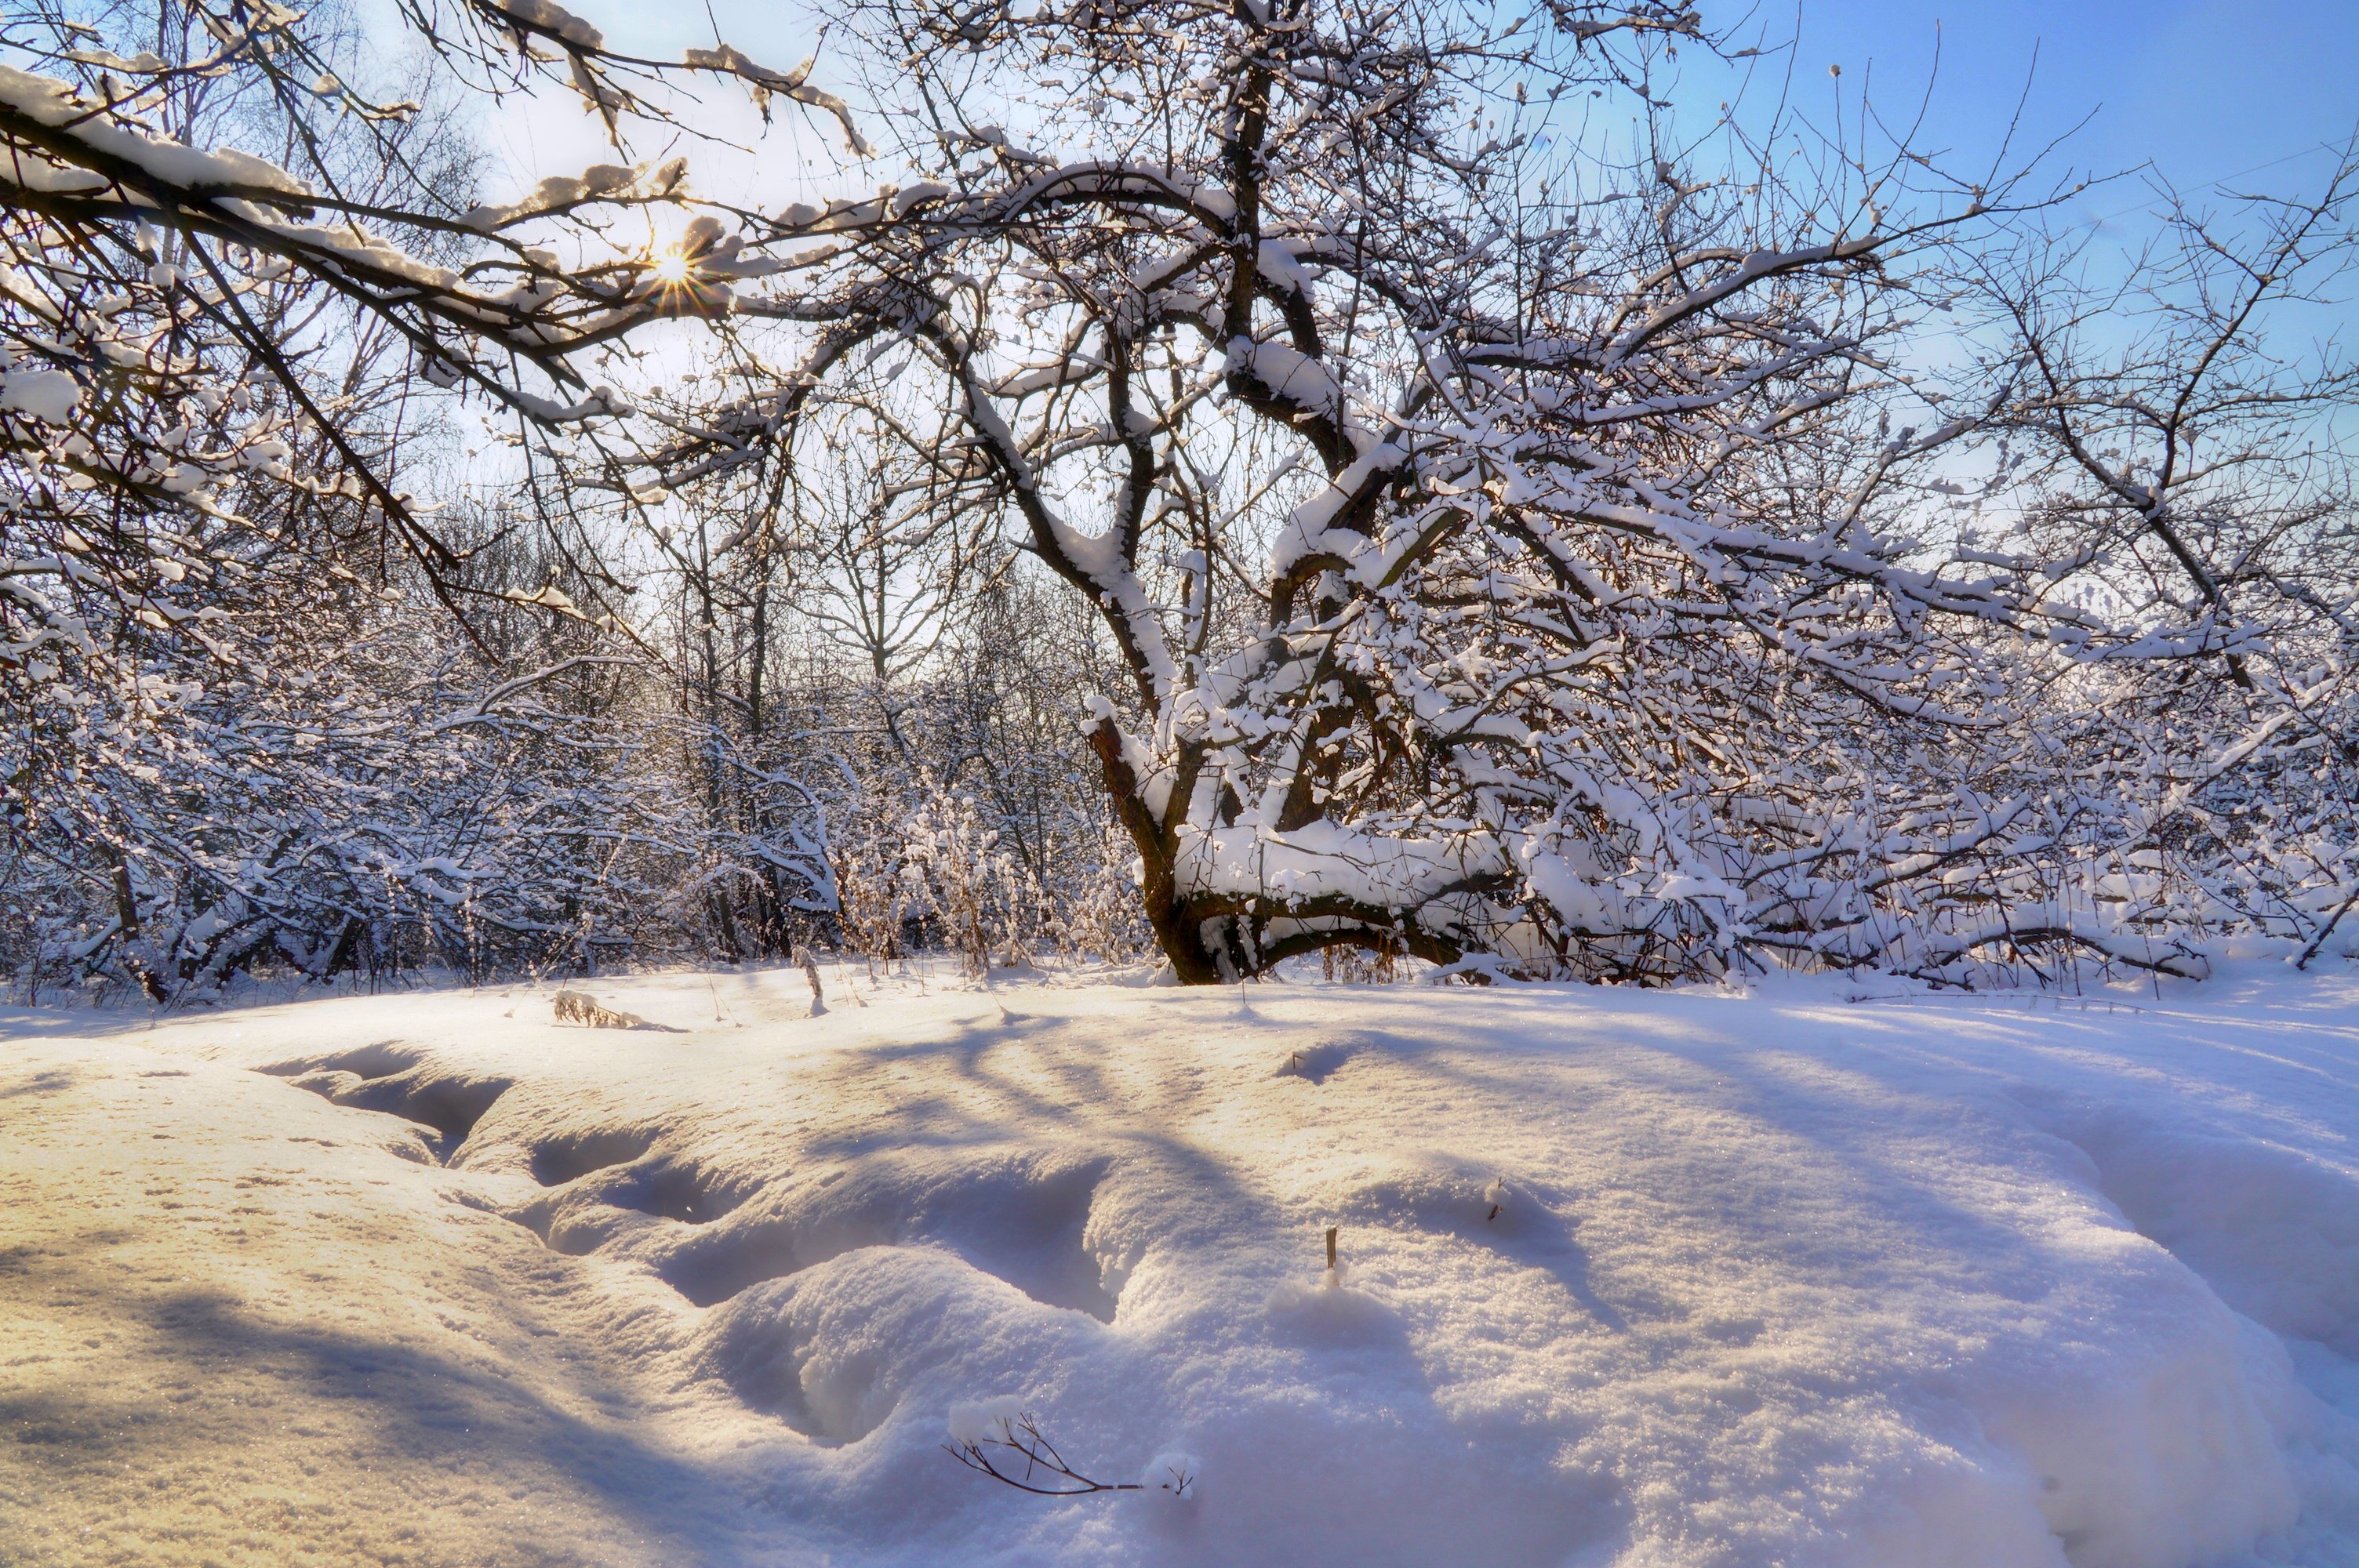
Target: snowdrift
{"x":1628,"y":1279}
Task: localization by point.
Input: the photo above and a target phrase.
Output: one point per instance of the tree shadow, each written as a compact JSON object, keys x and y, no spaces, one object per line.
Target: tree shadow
{"x":410,"y":1411}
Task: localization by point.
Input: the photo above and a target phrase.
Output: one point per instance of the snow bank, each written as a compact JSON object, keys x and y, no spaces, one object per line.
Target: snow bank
{"x":1628,"y":1280}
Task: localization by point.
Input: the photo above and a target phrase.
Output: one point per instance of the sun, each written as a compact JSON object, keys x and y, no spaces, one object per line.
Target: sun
{"x":671,"y":269}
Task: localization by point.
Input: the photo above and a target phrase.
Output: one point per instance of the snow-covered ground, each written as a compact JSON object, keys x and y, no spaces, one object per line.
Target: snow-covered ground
{"x":1783,"y":1278}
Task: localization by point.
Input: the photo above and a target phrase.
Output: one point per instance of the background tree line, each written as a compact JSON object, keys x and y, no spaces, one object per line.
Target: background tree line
{"x":1273,"y":480}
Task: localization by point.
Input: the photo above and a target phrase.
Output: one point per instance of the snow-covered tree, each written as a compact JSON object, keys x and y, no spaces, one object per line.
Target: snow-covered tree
{"x":2183,"y":455}
{"x":1516,"y":537}
{"x":1508,"y":550}
{"x":239,"y":730}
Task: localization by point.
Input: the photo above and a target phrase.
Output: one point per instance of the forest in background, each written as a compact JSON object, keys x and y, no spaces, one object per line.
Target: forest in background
{"x":1265,"y":480}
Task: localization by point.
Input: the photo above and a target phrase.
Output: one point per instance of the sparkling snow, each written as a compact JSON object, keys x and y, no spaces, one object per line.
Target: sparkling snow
{"x":1628,"y":1280}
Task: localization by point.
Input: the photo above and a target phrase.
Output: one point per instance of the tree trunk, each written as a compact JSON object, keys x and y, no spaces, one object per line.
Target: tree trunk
{"x":1179,"y":930}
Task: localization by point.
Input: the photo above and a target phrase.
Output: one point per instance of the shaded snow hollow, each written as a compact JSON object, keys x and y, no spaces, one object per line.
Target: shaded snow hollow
{"x":1772,"y":1280}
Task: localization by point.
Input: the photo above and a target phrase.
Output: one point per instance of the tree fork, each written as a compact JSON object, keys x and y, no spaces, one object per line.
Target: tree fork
{"x":1178,"y":930}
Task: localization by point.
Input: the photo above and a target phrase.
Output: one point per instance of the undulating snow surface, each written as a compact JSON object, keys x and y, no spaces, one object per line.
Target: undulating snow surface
{"x":1785,"y":1278}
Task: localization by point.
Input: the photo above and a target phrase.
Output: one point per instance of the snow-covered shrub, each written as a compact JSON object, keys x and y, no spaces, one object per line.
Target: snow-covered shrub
{"x":376,"y":804}
{"x":983,"y":902}
{"x":926,"y":860}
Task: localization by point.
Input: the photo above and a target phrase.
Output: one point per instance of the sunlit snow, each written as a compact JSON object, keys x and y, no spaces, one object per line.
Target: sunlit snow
{"x":1626,"y":1280}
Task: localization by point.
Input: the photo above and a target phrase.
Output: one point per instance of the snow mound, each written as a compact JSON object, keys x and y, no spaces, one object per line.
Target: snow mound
{"x":1624,"y":1281}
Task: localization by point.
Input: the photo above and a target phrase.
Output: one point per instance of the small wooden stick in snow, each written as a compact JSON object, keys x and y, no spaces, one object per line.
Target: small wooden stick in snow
{"x":811,"y":973}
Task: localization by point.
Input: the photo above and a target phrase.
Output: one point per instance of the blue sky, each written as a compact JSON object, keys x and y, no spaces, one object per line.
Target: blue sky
{"x":2204,"y":89}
